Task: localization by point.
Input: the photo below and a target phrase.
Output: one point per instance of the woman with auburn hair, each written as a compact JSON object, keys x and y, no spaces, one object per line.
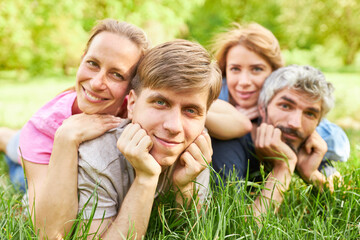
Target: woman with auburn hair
{"x":247,"y":55}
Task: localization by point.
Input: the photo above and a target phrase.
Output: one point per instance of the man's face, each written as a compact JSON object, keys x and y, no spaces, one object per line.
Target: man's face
{"x":295,"y":113}
{"x":173,"y":120}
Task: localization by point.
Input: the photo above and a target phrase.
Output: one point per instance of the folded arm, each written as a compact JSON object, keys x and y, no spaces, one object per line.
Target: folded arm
{"x":224,"y":121}
{"x":190,"y":165}
{"x":270,"y":148}
{"x":134,"y":213}
{"x":52,"y":189}
{"x":310,"y":157}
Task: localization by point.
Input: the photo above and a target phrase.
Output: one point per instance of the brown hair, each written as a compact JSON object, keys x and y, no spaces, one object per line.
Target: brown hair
{"x":179,"y":65}
{"x":254,"y":37}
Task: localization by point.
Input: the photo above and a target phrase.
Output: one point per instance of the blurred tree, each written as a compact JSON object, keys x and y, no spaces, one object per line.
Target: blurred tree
{"x":162,"y":20}
{"x":309,"y":23}
{"x":40,"y":36}
{"x":15,"y":35}
{"x":214,"y":16}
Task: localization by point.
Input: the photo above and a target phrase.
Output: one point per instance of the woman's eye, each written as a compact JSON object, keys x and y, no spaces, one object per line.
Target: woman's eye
{"x":234,"y":69}
{"x":118,"y":76}
{"x":92,"y":63}
{"x":257,"y":69}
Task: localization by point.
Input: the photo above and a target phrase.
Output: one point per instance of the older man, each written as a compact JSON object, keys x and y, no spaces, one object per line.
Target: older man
{"x":291,"y":104}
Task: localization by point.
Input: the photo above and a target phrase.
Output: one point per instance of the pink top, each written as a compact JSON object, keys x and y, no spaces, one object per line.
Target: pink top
{"x":37,"y":136}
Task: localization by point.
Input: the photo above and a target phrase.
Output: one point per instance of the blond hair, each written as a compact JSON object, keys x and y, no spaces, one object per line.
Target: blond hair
{"x":254,"y":37}
{"x":135,"y":34}
{"x":179,"y":65}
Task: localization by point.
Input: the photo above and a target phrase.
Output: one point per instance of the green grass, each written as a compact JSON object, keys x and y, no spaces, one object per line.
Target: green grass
{"x":304,"y":214}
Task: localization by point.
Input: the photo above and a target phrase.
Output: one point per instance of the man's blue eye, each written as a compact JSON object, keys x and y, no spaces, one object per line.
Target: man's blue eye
{"x":191,"y":111}
{"x":286,"y":106}
{"x":310,"y":114}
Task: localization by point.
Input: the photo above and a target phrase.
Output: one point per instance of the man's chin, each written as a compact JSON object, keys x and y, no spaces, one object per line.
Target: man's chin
{"x":164,"y":160}
{"x":292,"y":145}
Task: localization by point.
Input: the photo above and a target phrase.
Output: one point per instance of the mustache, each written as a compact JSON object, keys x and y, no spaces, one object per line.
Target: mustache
{"x":291,"y":131}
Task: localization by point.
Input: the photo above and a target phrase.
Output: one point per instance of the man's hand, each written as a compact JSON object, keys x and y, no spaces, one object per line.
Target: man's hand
{"x":270,"y":148}
{"x":310,"y":156}
{"x":192,"y":162}
{"x":135,"y":145}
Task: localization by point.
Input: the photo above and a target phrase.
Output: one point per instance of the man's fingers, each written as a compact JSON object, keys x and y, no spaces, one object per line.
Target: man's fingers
{"x":145,"y":143}
{"x":202,"y":146}
{"x":264,"y":135}
{"x":130,"y":131}
{"x":191,"y":162}
{"x":197,"y":154}
{"x":269,"y":140}
{"x":138,"y":135}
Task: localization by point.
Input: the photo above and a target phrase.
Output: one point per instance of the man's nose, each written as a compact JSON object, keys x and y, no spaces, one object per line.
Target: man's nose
{"x":98,"y":81}
{"x":173,"y":121}
{"x":295,"y":119}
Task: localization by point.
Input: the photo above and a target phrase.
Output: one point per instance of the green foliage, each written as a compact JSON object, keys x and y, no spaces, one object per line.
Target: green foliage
{"x":324,"y":27}
{"x":40,"y":37}
{"x":216,"y":15}
{"x":37,"y":37}
{"x":309,"y":23}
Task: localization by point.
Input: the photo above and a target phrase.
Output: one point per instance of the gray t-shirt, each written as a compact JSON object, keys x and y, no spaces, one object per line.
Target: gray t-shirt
{"x":103,"y":167}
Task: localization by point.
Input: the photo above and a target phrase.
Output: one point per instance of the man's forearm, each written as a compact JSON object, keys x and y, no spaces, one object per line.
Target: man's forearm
{"x":277,"y":183}
{"x":184,"y":195}
{"x":134,"y":214}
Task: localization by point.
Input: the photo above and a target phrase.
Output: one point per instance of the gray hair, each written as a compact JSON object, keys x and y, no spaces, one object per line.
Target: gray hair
{"x":300,"y":78}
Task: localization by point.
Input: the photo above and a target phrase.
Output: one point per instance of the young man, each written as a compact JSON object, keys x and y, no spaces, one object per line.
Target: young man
{"x":162,"y":145}
{"x":292,"y":102}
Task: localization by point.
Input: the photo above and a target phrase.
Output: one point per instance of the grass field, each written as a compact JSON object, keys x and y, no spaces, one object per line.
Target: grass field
{"x":305,"y":214}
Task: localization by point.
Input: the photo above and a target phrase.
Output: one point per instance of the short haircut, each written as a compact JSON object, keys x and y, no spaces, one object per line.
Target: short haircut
{"x":254,"y":37}
{"x":179,"y":65}
{"x":135,"y":34}
{"x":306,"y":79}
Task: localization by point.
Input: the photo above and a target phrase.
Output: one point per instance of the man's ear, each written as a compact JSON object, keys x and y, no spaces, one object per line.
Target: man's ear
{"x":262,"y":111}
{"x":131,"y":103}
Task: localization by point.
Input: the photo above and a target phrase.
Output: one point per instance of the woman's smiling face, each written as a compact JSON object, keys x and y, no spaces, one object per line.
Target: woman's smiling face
{"x":103,"y":77}
{"x":246,"y":72}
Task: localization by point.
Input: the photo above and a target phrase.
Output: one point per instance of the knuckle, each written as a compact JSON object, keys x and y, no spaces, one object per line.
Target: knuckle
{"x":198,"y":168}
{"x":142,"y":132}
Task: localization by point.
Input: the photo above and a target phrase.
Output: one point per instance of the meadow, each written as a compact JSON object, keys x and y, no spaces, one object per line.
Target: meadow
{"x":306,"y":213}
